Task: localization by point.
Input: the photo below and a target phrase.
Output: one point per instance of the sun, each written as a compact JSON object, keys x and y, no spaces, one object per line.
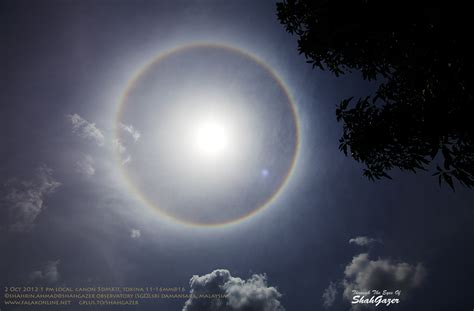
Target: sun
{"x":211,"y":138}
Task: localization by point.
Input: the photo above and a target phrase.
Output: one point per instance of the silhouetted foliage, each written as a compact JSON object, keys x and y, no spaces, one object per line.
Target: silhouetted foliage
{"x":422,"y":111}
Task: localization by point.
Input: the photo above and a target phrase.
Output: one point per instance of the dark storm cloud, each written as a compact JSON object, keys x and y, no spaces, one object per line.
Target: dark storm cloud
{"x":363,"y":241}
{"x":250,"y":295}
{"x":49,"y":273}
{"x":329,"y":295}
{"x":25,"y":198}
{"x":364,"y":274}
{"x":86,"y":129}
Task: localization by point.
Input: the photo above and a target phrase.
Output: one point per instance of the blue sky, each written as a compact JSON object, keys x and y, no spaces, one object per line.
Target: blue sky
{"x":68,"y":218}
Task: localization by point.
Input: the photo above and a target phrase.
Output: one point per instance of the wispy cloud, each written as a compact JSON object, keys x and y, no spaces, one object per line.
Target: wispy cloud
{"x":135,"y":234}
{"x":25,"y":198}
{"x":131,"y":130}
{"x":127,"y":160}
{"x":86,"y":129}
{"x":233,"y":293}
{"x":119,"y":146}
{"x":119,"y":143}
{"x":85,"y":165}
{"x":49,"y":273}
{"x":363,"y":241}
{"x":122,"y":150}
{"x":329,"y":295}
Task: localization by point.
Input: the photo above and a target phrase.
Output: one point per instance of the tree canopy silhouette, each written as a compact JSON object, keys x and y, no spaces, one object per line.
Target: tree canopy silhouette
{"x":421,"y":115}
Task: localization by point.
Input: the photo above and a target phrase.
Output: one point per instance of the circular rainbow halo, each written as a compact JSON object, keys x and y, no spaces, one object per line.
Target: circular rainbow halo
{"x":219,"y":135}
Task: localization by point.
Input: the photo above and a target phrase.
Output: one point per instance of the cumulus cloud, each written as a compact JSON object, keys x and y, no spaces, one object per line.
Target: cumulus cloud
{"x":364,"y":274}
{"x":135,"y":234}
{"x":131,"y":130}
{"x":85,"y":165}
{"x":329,"y":295}
{"x":234,"y":293}
{"x":363,"y":241}
{"x":25,"y":199}
{"x":86,"y":129}
{"x":49,"y":273}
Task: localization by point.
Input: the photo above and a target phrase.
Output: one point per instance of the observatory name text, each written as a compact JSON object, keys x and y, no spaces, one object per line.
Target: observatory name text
{"x":93,"y":296}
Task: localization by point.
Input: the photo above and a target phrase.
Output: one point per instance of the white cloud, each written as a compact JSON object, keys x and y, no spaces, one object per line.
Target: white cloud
{"x":85,"y":165}
{"x":122,"y":150}
{"x":49,"y":273}
{"x":86,"y":129}
{"x":329,"y":295}
{"x":26,"y":198}
{"x":363,"y":241}
{"x":127,"y":160}
{"x":131,"y":130}
{"x":235,"y":294}
{"x":364,"y":274}
{"x":135,"y":234}
{"x":119,"y":146}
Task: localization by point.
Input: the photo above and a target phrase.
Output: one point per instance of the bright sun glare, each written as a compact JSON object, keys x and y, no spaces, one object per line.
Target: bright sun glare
{"x":211,"y":138}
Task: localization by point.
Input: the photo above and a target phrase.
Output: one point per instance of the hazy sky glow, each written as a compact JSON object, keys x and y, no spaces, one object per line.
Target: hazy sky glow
{"x":207,"y":133}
